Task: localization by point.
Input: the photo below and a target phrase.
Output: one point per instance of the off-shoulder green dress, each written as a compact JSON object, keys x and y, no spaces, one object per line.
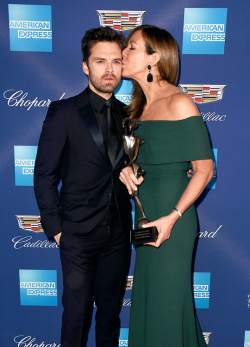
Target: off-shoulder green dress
{"x":162,"y":312}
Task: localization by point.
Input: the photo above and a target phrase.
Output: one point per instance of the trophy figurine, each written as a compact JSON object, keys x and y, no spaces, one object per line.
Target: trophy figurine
{"x":132,"y":143}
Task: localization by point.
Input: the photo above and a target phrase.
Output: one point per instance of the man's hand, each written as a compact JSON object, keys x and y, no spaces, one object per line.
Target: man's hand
{"x":57,"y":238}
{"x":128,"y":178}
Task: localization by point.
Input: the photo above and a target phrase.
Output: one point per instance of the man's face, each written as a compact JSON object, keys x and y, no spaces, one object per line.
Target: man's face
{"x":104,"y":67}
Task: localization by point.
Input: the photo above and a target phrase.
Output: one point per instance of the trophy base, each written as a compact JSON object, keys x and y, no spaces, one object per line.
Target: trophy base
{"x":141,"y":235}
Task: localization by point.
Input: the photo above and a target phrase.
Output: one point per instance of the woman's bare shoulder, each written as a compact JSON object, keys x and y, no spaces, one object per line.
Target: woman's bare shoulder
{"x":181,"y":106}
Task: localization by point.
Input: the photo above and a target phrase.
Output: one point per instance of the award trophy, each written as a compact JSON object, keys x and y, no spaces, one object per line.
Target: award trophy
{"x":132,"y":143}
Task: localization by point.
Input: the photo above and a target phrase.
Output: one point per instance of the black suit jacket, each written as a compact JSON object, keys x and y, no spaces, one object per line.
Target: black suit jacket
{"x":71,"y":147}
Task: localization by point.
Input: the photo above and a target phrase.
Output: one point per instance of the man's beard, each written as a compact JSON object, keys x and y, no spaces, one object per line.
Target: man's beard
{"x":102,"y":87}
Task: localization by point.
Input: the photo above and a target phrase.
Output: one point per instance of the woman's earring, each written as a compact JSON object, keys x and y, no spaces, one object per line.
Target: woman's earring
{"x":150,"y":77}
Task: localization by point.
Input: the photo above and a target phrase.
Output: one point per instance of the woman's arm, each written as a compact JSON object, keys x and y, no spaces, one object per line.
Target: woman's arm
{"x":203,"y":173}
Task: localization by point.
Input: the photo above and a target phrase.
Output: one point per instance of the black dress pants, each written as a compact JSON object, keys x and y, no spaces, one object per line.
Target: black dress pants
{"x":93,"y":266}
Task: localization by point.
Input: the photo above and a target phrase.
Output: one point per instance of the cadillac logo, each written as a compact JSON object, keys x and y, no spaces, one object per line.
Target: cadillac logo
{"x":203,"y":93}
{"x":30,"y":223}
{"x":121,"y":20}
{"x":207,"y":337}
{"x":129,"y":283}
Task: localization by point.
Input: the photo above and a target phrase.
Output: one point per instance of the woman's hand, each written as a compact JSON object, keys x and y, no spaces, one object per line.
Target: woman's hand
{"x":190,"y":172}
{"x":128,"y":178}
{"x":164,"y":226}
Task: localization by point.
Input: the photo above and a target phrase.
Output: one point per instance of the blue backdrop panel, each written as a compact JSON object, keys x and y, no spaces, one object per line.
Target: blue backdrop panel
{"x":41,"y":62}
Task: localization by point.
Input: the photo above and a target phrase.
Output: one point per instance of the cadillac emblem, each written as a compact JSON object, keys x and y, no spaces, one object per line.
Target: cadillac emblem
{"x":30,"y":223}
{"x":121,"y":20}
{"x":203,"y":93}
{"x":129,"y":283}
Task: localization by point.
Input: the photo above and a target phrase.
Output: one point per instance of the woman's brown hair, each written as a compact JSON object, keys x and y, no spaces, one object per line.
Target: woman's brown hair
{"x":160,"y":41}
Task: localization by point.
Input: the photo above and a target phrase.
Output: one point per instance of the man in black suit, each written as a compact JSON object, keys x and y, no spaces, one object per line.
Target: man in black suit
{"x":81,"y":143}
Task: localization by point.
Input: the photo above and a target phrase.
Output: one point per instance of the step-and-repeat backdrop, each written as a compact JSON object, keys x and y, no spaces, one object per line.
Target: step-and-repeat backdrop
{"x":41,"y":62}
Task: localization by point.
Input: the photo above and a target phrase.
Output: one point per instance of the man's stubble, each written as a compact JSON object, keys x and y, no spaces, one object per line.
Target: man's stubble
{"x":99,"y":84}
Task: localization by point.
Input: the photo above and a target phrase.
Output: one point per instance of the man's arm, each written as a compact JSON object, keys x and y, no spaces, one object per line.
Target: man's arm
{"x":48,"y":167}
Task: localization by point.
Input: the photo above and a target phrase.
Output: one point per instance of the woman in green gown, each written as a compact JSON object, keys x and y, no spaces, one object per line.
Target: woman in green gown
{"x":162,"y":312}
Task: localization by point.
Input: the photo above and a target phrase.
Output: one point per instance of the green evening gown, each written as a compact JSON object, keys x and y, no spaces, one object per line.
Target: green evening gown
{"x":162,"y":312}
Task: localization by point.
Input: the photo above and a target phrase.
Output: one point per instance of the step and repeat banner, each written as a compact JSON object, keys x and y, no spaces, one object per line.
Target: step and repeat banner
{"x":41,"y":62}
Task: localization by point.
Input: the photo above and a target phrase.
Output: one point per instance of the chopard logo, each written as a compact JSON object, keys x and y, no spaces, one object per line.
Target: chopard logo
{"x":28,"y":341}
{"x":19,"y":99}
{"x":207,"y":234}
{"x":24,"y":242}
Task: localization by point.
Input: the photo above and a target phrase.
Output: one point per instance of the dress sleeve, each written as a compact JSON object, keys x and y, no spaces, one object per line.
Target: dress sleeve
{"x":193,"y":141}
{"x":174,"y":141}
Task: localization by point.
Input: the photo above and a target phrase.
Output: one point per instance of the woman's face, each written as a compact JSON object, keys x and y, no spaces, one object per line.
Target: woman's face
{"x":135,"y":58}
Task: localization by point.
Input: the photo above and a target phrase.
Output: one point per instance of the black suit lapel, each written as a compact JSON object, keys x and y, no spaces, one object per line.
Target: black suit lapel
{"x":122,"y":114}
{"x":87,"y":113}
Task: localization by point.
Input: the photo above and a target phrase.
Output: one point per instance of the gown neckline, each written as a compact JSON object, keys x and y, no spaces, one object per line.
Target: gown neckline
{"x":167,"y":120}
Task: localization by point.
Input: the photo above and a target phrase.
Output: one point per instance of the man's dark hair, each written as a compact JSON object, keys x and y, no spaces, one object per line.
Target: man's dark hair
{"x":102,"y":34}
